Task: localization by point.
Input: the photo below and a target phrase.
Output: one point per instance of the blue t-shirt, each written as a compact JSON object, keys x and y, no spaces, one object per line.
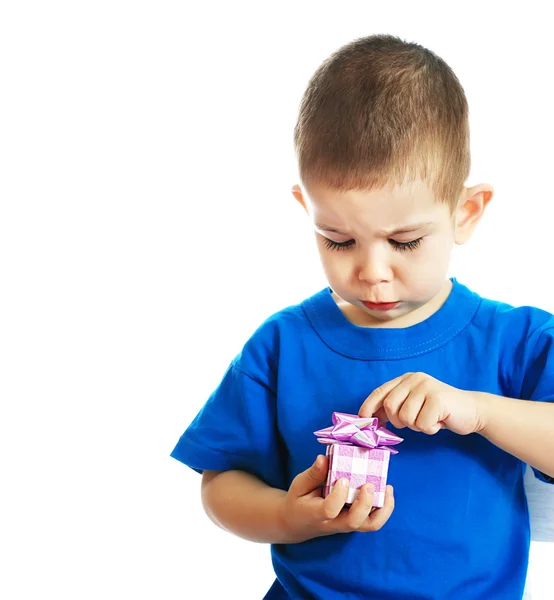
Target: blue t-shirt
{"x":460,"y":528}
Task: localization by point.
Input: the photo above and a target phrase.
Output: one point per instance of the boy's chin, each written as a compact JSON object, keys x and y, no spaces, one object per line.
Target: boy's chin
{"x":405,"y":314}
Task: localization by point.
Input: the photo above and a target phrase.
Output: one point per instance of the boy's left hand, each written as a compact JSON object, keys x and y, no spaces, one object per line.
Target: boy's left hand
{"x":423,"y":403}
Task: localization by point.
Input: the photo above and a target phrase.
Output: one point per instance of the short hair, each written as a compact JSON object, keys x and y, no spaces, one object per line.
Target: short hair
{"x":381,"y":110}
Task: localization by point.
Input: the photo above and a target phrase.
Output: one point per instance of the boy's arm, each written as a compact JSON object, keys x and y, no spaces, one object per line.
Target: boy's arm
{"x":242,"y":504}
{"x":521,"y":427}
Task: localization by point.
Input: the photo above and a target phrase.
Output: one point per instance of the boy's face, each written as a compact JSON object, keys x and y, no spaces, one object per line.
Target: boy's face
{"x":386,"y":252}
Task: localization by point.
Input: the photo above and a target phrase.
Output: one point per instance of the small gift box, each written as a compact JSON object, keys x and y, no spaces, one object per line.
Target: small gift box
{"x":358,"y":449}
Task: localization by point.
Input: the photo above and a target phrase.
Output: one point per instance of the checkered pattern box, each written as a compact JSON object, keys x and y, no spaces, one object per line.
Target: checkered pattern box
{"x":359,"y":465}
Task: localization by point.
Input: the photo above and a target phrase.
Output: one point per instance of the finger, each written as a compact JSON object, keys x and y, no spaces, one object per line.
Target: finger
{"x":394,"y":402}
{"x":311,"y":478}
{"x":381,"y":414}
{"x":360,"y":509}
{"x":410,"y":410}
{"x":335,"y":501}
{"x":430,"y":417}
{"x":375,"y":400}
{"x":378,"y":517}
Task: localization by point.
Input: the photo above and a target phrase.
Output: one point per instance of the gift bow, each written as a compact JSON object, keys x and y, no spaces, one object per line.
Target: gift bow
{"x":352,"y":430}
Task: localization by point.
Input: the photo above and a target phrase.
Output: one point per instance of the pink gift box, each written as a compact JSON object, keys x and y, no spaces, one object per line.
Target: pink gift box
{"x":359,"y":449}
{"x":359,"y":466}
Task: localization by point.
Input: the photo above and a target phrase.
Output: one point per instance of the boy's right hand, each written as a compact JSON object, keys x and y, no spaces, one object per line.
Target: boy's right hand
{"x":307,"y":515}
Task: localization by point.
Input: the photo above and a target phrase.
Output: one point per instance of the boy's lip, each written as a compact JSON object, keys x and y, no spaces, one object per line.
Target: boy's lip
{"x":380,"y":305}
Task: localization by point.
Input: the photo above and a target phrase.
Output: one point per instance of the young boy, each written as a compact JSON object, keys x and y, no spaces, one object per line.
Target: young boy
{"x":383,"y":147}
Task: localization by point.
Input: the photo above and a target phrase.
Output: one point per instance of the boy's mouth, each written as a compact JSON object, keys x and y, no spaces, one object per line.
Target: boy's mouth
{"x":380,"y":305}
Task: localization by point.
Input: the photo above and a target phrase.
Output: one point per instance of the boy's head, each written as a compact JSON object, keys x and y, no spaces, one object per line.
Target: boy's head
{"x":382,"y":141}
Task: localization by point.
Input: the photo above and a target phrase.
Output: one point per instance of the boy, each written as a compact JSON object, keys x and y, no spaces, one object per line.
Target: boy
{"x":382,"y":141}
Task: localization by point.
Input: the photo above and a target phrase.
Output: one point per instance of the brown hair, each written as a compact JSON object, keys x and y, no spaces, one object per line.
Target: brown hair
{"x":381,"y":110}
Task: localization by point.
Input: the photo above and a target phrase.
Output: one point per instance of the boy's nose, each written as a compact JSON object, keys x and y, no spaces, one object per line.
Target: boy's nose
{"x":375,"y":270}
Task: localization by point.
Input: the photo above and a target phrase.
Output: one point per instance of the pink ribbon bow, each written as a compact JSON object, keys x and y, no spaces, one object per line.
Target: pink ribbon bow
{"x":352,"y":430}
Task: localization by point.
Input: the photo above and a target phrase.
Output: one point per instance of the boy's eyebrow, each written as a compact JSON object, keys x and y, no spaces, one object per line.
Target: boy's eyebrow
{"x":395,"y":231}
{"x":408,"y":228}
{"x":330,"y":229}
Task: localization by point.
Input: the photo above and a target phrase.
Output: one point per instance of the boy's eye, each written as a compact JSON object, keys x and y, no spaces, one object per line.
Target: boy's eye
{"x":400,"y":246}
{"x":403,"y":246}
{"x":331,"y":245}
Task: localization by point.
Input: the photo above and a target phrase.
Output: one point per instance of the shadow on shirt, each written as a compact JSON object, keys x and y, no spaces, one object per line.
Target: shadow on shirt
{"x":540,"y":497}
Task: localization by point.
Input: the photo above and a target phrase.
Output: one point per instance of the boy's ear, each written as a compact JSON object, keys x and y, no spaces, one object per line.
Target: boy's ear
{"x":471,"y":207}
{"x":297,"y":193}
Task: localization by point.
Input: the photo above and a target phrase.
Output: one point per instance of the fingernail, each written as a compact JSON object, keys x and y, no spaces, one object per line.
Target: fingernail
{"x":343,"y":482}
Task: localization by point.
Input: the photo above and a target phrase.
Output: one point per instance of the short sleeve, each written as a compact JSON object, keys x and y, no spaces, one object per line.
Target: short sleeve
{"x":538,"y":381}
{"x":236,"y":429}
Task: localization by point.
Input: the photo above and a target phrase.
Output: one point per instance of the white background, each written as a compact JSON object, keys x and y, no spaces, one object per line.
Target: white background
{"x":147,"y":228}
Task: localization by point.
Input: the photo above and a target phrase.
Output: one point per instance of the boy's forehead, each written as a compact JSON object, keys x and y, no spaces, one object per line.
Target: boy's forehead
{"x":411,"y":189}
{"x":388,"y":206}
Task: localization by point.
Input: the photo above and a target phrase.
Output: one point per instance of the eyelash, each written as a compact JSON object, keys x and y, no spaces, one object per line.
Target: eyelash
{"x":403,"y":246}
{"x":331,"y":245}
{"x":400,"y":246}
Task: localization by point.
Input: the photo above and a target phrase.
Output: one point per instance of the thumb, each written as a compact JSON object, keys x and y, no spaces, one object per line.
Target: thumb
{"x":311,"y":478}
